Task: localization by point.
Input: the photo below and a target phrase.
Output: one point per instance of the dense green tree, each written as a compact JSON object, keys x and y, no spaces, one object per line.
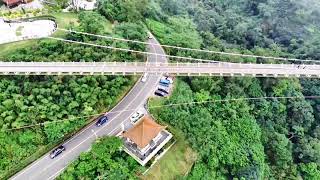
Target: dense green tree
{"x":123,"y":10}
{"x":105,"y":160}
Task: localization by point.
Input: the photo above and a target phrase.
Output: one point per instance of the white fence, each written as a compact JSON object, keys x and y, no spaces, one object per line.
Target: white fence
{"x":180,"y":69}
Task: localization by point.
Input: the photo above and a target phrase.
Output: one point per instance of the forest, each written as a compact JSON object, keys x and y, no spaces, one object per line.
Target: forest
{"x":105,"y":160}
{"x":243,"y":139}
{"x":38,"y":112}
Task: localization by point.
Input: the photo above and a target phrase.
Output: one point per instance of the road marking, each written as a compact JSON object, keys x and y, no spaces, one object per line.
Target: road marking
{"x":75,"y":136}
{"x":71,"y":150}
{"x":90,"y":126}
{"x":53,"y":176}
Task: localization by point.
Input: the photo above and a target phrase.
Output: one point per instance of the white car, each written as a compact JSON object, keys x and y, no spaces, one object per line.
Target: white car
{"x":136,"y":116}
{"x":144,"y":77}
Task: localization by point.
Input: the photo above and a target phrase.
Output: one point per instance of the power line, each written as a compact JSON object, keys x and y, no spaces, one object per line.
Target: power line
{"x":192,"y":49}
{"x":171,"y":105}
{"x":144,"y":52}
{"x":134,"y":51}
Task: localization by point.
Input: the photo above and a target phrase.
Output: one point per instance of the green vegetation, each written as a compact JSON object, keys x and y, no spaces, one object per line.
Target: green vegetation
{"x":30,"y":100}
{"x":6,"y":49}
{"x":105,"y":160}
{"x":18,"y":31}
{"x":262,"y":139}
{"x":64,"y":20}
{"x":123,"y":11}
{"x":177,"y":161}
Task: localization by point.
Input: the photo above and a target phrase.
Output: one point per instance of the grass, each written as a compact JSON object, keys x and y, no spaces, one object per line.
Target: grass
{"x":7,"y":48}
{"x":178,"y":160}
{"x":63,"y":20}
{"x":176,"y":163}
{"x":46,"y":148}
{"x":18,"y":31}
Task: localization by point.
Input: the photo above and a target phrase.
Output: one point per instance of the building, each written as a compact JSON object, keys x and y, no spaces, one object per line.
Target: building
{"x":11,"y":3}
{"x":145,"y":139}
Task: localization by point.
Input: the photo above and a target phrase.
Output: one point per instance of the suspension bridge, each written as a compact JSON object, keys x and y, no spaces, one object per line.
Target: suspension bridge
{"x":179,"y":69}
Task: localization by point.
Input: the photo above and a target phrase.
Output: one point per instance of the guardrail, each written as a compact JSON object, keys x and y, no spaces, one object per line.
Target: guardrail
{"x":180,"y":69}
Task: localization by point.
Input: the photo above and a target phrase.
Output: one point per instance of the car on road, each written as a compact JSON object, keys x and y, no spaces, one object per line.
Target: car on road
{"x":102,"y":120}
{"x":144,"y":77}
{"x":136,"y":116}
{"x":160,"y":93}
{"x":57,"y":151}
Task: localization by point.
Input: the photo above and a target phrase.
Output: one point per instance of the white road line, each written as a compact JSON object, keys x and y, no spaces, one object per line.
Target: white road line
{"x":90,"y":126}
{"x":53,"y":176}
{"x":75,"y":136}
{"x":56,"y":160}
{"x":79,"y":133}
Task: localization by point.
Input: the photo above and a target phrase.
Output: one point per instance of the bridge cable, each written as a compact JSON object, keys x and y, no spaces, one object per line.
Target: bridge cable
{"x":145,"y":52}
{"x":135,"y":51}
{"x":169,"y":105}
{"x":193,"y":49}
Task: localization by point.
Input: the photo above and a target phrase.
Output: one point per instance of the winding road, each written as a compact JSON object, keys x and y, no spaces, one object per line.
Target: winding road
{"x":46,"y":168}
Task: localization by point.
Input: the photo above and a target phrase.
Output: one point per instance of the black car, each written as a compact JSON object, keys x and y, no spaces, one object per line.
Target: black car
{"x":102,"y":120}
{"x":160,"y":93}
{"x":57,"y":151}
{"x":165,"y":90}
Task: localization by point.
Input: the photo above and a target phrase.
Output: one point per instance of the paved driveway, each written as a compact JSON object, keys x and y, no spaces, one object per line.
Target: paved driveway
{"x":25,"y":30}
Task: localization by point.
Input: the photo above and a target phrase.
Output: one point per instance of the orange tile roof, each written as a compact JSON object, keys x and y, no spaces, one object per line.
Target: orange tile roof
{"x":144,"y":132}
{"x":11,"y":2}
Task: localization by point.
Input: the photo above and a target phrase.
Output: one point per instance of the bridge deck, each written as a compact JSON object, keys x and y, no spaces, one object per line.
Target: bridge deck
{"x":180,"y":69}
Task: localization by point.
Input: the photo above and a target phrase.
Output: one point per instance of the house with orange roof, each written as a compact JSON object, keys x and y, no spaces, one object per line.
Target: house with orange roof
{"x":145,"y":139}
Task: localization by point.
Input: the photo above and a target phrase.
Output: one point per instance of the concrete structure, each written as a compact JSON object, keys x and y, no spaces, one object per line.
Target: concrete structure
{"x":26,"y":30}
{"x":180,"y":69}
{"x":145,"y":139}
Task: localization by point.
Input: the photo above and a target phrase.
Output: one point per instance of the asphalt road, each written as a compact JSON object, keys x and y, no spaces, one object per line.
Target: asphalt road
{"x":180,"y":69}
{"x":46,"y":168}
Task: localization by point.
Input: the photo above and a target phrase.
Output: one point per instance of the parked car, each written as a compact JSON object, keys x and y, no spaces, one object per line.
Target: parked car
{"x":164,"y":84}
{"x":167,"y":78}
{"x":144,"y":77}
{"x":136,"y":116}
{"x":164,"y":89}
{"x":57,"y":151}
{"x":102,"y":120}
{"x":164,"y":81}
{"x":160,"y":93}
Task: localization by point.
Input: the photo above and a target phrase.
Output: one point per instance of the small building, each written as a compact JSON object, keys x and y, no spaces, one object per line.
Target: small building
{"x":11,"y":3}
{"x":145,"y":139}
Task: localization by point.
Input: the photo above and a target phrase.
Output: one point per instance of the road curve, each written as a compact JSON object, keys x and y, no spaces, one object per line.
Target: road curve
{"x":46,"y":168}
